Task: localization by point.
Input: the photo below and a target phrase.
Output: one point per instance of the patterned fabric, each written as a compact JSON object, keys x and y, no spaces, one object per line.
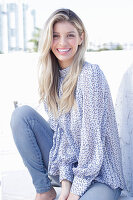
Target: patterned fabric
{"x":86,"y":144}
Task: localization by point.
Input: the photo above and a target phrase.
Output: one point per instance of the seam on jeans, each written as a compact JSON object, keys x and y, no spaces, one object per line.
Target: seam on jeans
{"x":29,"y":124}
{"x":39,"y":157}
{"x":41,"y":190}
{"x":41,"y":125}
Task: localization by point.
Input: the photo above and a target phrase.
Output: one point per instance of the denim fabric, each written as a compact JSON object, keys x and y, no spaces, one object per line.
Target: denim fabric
{"x":100,"y":191}
{"x":33,"y":137}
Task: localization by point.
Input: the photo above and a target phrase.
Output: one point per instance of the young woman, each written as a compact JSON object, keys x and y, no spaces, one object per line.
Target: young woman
{"x":79,"y":146}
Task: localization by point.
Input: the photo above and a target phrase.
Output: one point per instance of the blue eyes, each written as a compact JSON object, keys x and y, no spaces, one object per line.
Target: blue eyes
{"x":71,"y":35}
{"x":68,"y":36}
{"x":55,"y":36}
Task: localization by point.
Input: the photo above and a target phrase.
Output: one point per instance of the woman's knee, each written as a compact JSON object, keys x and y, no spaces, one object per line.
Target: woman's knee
{"x":18,"y":115}
{"x":102,"y":192}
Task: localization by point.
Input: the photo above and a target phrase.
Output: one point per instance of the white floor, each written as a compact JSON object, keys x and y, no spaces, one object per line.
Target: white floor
{"x":17,"y":185}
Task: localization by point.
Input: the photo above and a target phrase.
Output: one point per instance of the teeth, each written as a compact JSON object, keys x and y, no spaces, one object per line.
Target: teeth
{"x":63,"y":50}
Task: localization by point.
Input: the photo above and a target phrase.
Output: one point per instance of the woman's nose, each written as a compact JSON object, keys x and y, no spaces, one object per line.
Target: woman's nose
{"x":62,"y":41}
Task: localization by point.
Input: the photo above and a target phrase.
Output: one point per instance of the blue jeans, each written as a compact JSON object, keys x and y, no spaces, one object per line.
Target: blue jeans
{"x":33,"y":138}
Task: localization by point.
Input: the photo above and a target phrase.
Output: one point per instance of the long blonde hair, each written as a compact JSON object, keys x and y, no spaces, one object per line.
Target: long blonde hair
{"x":49,"y":67}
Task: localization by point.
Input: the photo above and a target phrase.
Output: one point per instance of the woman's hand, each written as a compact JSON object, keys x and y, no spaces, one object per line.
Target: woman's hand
{"x":73,"y":197}
{"x":65,"y":190}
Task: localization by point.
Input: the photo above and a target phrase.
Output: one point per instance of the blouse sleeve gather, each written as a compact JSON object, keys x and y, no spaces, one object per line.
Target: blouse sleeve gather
{"x":66,"y":172}
{"x":91,"y":149}
{"x":66,"y":158}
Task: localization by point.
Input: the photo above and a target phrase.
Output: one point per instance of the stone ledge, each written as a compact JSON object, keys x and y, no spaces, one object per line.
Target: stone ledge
{"x":17,"y":185}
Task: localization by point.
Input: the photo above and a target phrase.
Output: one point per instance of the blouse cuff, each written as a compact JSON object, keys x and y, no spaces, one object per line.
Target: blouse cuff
{"x":66,"y":173}
{"x":79,"y":186}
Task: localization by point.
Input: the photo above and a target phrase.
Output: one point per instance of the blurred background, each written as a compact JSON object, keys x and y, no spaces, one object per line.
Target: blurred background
{"x":109,"y":24}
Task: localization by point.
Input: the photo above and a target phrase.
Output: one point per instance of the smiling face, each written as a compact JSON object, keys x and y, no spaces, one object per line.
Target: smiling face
{"x":65,"y":42}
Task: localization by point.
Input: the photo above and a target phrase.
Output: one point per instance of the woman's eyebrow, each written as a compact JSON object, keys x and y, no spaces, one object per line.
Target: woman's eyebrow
{"x":71,"y":32}
{"x":67,"y":32}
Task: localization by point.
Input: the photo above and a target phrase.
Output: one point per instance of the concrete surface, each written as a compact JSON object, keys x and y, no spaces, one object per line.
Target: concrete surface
{"x":17,"y":185}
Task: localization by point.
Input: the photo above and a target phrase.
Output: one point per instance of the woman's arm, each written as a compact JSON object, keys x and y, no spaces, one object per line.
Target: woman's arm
{"x":65,"y":189}
{"x":91,"y":148}
{"x":73,"y":197}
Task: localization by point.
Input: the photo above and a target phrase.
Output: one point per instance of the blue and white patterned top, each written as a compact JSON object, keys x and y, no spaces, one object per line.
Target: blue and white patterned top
{"x":85,"y":143}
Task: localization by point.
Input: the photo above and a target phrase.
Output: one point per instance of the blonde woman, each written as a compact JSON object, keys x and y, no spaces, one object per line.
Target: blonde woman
{"x":79,"y":146}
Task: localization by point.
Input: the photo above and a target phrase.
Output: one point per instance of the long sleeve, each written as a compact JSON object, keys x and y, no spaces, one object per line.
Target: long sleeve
{"x":91,"y":149}
{"x":85,"y":142}
{"x":66,"y":158}
{"x":60,"y":160}
{"x":62,"y":154}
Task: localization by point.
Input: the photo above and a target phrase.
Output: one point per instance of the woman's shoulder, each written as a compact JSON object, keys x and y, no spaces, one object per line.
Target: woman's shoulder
{"x":89,"y":70}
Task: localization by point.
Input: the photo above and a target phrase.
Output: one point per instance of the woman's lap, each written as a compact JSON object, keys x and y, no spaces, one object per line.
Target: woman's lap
{"x":26,"y":118}
{"x":100,"y":191}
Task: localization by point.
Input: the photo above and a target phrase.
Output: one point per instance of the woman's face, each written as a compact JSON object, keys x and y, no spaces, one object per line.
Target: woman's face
{"x":65,"y":42}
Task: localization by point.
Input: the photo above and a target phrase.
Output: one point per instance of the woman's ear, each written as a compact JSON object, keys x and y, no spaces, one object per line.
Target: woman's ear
{"x":81,"y":38}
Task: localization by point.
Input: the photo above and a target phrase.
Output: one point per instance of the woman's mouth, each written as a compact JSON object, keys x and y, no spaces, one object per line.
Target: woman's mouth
{"x":63,"y":51}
